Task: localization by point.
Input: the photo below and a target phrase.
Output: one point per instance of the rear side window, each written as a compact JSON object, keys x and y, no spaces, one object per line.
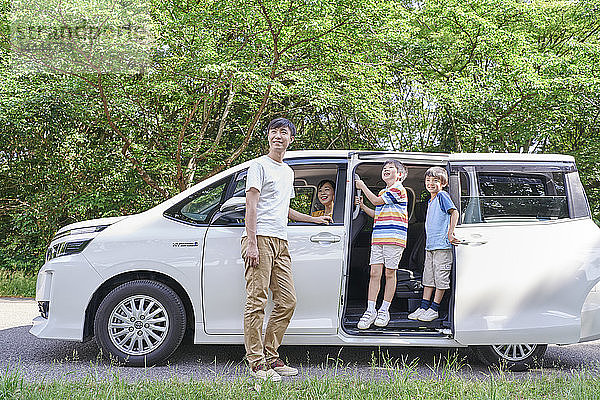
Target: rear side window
{"x":500,"y":195}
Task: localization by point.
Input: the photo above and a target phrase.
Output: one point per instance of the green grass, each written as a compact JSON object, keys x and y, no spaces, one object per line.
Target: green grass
{"x":17,"y":284}
{"x":398,"y":386}
{"x":389,"y":379}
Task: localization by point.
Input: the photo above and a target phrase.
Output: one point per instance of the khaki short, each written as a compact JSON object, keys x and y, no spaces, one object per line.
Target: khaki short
{"x":387,"y":254}
{"x":438,"y":264}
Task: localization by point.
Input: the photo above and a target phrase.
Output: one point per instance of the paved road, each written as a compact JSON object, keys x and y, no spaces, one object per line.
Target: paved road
{"x":38,"y":359}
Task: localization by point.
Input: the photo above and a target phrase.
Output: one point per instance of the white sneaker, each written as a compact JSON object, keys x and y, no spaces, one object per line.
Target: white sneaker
{"x":428,"y":315}
{"x":382,"y":319}
{"x":367,"y":319}
{"x":282,"y":369}
{"x":261,"y":372}
{"x":416,"y":314}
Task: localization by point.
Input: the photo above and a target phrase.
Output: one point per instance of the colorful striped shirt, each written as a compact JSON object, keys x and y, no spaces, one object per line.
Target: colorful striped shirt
{"x":391,"y":218}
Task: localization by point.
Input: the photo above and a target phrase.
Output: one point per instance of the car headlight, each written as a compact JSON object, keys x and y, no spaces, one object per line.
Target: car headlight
{"x":66,"y":248}
{"x":77,"y":231}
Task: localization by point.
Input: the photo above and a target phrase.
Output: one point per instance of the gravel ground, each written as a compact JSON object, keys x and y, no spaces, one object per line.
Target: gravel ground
{"x":42,"y":359}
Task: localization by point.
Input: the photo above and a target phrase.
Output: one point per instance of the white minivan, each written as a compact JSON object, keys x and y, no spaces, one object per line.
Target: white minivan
{"x":524,"y":277}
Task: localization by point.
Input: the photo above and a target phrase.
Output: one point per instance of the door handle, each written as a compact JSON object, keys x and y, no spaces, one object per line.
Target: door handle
{"x":473,"y":242}
{"x":325,"y":237}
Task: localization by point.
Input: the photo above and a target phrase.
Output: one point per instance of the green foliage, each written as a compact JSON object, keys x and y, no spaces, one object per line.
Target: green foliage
{"x":472,"y":76}
{"x":17,"y":283}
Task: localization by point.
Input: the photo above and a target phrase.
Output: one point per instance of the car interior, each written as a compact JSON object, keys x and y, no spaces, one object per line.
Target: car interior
{"x":409,"y":289}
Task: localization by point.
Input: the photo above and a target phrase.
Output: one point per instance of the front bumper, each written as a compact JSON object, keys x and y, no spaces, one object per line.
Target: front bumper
{"x":64,"y":288}
{"x":590,"y":317}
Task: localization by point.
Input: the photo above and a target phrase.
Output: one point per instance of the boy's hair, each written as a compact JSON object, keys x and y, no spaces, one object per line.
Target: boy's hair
{"x":439,"y":173}
{"x":399,"y":167}
{"x":281,"y":122}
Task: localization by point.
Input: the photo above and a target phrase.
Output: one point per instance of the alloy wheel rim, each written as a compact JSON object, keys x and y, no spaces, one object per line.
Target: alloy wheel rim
{"x":514,"y":352}
{"x":138,"y":325}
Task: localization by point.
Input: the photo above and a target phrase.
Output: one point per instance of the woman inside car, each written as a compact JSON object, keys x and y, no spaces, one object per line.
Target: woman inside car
{"x":326,"y":196}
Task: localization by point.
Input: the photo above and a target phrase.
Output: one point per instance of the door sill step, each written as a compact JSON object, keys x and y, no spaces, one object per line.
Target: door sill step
{"x":376,"y":331}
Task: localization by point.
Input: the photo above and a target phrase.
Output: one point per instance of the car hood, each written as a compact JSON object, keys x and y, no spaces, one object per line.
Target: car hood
{"x":90,"y":223}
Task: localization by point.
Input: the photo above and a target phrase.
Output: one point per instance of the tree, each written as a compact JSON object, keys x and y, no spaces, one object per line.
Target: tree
{"x":114,"y":124}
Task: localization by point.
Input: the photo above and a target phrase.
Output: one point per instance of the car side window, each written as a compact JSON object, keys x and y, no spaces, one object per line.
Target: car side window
{"x":199,"y":207}
{"x":497,"y":196}
{"x":234,"y":217}
{"x":306,"y":179}
{"x":239,"y":189}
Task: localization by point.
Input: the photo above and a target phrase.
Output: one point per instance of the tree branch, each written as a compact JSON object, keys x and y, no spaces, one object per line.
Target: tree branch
{"x":179,"y":178}
{"x":127,"y":143}
{"x":194,"y":160}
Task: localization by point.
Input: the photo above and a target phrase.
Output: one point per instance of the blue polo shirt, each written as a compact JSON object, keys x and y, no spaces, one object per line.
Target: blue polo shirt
{"x":437,"y":221}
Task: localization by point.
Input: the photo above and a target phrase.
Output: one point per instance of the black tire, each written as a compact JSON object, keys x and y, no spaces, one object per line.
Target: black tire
{"x":132,"y":338}
{"x":512,"y":357}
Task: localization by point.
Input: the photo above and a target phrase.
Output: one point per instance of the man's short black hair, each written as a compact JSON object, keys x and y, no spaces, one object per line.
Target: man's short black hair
{"x":281,"y":122}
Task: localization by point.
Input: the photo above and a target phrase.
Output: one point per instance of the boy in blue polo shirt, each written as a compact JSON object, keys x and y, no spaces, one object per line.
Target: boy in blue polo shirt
{"x":440,"y":222}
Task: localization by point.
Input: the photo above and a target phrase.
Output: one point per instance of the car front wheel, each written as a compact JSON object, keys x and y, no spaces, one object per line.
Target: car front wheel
{"x":140,"y":323}
{"x":516,"y":357}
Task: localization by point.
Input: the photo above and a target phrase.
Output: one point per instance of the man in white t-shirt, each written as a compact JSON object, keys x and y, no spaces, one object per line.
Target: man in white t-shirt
{"x":269,"y":188}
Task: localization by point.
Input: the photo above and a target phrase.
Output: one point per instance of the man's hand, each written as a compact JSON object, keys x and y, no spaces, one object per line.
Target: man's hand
{"x":324,"y":220}
{"x":252,"y":255}
{"x":252,"y":196}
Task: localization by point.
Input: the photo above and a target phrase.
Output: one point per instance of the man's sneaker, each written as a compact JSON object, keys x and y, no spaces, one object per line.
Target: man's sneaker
{"x":282,"y":369}
{"x":382,"y":319}
{"x":367,"y":319}
{"x":260,"y":371}
{"x":428,"y":315}
{"x":416,"y":314}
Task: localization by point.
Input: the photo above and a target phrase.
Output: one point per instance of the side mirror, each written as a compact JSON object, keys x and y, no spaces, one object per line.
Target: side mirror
{"x":233,"y":204}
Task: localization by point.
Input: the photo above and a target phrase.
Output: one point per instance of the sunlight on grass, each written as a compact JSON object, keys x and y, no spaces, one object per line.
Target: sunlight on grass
{"x":17,"y":284}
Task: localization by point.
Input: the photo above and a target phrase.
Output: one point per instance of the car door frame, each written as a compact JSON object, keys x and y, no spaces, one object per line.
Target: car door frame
{"x":341,"y":165}
{"x":355,"y":158}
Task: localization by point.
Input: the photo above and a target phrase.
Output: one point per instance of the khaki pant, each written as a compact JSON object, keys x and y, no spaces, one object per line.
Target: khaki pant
{"x":274,"y":271}
{"x":436,"y":272}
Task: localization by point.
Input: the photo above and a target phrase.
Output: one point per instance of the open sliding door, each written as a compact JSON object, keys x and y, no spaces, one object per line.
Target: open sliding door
{"x":529,"y":258}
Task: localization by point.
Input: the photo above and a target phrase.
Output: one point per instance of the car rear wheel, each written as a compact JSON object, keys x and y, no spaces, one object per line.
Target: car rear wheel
{"x":140,"y":323}
{"x":515,"y":357}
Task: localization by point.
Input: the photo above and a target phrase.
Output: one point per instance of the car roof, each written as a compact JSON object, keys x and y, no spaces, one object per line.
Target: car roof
{"x":433,"y":158}
{"x":365,"y":154}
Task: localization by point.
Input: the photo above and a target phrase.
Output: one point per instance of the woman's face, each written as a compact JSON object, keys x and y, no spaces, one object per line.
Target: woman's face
{"x":325,"y":194}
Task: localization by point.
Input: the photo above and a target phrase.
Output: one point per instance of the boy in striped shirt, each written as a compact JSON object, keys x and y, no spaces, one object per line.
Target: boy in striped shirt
{"x":388,"y":240}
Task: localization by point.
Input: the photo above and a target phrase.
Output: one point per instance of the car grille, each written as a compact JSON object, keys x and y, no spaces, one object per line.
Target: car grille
{"x":44,"y":306}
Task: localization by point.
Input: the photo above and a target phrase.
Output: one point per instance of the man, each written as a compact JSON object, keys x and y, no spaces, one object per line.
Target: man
{"x":269,"y":188}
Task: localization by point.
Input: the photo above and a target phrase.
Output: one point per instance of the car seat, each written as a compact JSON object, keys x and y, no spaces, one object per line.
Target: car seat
{"x":410,"y":270}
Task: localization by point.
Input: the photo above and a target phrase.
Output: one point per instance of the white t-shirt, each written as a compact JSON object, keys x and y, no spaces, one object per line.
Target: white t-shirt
{"x":275,"y":182}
